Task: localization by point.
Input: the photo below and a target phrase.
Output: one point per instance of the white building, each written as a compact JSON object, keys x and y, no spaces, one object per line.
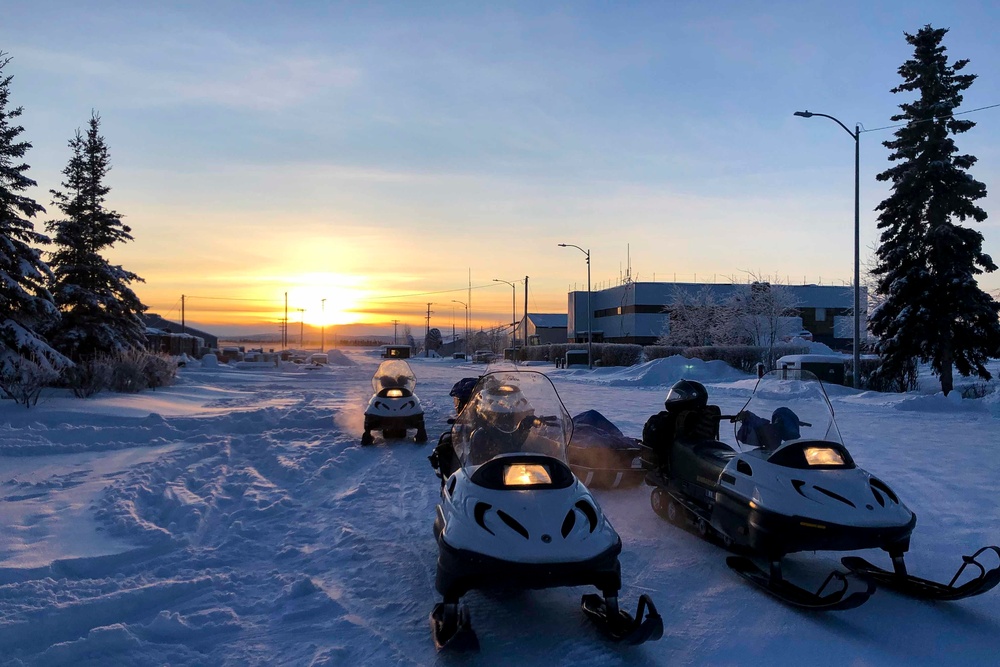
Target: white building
{"x":637,"y":312}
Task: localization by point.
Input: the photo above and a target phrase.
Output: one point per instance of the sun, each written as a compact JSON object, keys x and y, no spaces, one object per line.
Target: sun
{"x":324,"y":299}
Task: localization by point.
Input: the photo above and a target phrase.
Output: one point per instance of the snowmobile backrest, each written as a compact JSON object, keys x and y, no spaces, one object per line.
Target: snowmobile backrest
{"x":658,"y":432}
{"x":755,"y":431}
{"x":700,"y":423}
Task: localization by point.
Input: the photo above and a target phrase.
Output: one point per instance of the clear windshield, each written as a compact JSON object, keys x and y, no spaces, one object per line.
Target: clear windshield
{"x":394,"y":374}
{"x":512,"y":411}
{"x":787,"y":405}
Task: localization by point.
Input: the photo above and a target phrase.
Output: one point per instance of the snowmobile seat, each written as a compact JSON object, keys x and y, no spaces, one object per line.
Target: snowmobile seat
{"x":700,"y":461}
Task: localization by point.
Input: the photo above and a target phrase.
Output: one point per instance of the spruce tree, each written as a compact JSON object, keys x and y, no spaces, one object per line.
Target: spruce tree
{"x":26,"y":306}
{"x":100,"y":312}
{"x":934,"y":310}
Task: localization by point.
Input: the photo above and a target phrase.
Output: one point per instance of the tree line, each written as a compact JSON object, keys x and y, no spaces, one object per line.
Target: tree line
{"x":67,"y":306}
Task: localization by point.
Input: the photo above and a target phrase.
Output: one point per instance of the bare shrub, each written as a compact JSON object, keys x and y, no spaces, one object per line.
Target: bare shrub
{"x":88,"y":377}
{"x":22,"y":380}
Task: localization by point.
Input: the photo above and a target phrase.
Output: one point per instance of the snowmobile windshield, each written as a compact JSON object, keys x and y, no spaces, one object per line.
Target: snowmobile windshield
{"x":512,"y":411}
{"x":394,"y":374}
{"x":787,"y":405}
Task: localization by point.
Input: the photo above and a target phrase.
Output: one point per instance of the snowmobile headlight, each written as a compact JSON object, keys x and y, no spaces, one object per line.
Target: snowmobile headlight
{"x":823,"y":456}
{"x":526,"y":474}
{"x":394,"y":393}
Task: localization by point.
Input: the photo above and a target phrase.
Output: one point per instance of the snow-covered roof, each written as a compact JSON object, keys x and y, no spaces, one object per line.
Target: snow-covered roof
{"x":549,"y":320}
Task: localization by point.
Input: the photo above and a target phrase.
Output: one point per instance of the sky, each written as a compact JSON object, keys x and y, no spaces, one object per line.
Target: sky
{"x":383,"y":156}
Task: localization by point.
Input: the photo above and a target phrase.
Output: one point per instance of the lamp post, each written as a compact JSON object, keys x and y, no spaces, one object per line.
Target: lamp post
{"x":466,"y":325}
{"x":513,"y":315}
{"x":856,"y":135}
{"x":302,"y":327}
{"x":590,"y":310}
{"x":322,"y":325}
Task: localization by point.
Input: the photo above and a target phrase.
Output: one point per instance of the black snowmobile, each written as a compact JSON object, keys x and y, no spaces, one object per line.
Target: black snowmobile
{"x":513,"y":514}
{"x":601,"y":455}
{"x":795,"y":488}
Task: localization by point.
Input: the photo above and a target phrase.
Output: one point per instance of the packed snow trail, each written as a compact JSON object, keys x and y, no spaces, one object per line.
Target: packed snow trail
{"x":235,"y":519}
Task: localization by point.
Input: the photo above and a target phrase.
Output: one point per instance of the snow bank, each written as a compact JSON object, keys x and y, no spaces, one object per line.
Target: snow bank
{"x":338,"y":358}
{"x":669,"y":370}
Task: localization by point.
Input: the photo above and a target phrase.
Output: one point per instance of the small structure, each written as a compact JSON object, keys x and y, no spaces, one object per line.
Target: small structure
{"x":395,"y":351}
{"x":827,"y":367}
{"x":546,"y":328}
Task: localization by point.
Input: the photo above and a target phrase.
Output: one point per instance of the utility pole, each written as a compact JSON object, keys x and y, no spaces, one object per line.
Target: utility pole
{"x":183,"y":330}
{"x":302,"y":327}
{"x":284,"y":328}
{"x":427,"y":333}
{"x":524,"y":322}
{"x":394,"y":324}
{"x":322,"y":330}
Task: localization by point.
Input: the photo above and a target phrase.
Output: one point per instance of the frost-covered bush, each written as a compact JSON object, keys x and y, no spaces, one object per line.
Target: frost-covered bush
{"x":88,"y":377}
{"x":662,"y":351}
{"x":128,"y":374}
{"x":160,"y":370}
{"x":618,"y":354}
{"x":875,"y":376}
{"x":23,"y":380}
{"x":134,"y":370}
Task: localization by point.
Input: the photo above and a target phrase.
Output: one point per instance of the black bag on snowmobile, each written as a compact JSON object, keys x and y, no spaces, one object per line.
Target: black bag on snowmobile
{"x":601,"y":456}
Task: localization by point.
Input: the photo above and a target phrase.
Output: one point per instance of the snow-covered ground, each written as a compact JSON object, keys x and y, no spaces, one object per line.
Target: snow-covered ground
{"x":233,"y":519}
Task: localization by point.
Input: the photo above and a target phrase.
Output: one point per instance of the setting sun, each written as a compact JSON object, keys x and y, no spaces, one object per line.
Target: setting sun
{"x":326,"y":298}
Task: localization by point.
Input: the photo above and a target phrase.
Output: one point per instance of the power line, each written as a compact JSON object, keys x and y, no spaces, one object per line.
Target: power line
{"x":927,"y":120}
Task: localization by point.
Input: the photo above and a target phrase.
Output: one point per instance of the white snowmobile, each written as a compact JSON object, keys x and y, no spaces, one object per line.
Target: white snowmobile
{"x":796,"y":488}
{"x":394,"y":408}
{"x":513,"y":514}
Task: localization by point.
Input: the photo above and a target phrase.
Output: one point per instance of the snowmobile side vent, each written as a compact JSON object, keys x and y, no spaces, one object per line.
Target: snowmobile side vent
{"x":835,"y":496}
{"x":726,"y":478}
{"x":480,"y":514}
{"x":451,"y":486}
{"x":513,"y":523}
{"x":798,"y":484}
{"x":744,"y":467}
{"x":588,"y":511}
{"x":878,"y":496}
{"x":568,"y":523}
{"x":876,"y":483}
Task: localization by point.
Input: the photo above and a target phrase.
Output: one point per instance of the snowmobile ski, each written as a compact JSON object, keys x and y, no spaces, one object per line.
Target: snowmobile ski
{"x":789,"y":593}
{"x":647,"y":625}
{"x":452,"y":628}
{"x":925,"y":589}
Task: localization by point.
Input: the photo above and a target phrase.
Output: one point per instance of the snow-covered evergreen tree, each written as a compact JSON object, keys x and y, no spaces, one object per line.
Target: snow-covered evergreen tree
{"x":26,"y":306}
{"x":934,"y":310}
{"x":100,"y":312}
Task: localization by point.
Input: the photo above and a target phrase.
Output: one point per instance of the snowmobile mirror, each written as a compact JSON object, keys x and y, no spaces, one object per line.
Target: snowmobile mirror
{"x":526,"y":474}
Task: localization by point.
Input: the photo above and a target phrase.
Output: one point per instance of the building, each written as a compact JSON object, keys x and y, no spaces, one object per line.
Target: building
{"x":637,"y":312}
{"x":164,"y":326}
{"x":545,"y":328}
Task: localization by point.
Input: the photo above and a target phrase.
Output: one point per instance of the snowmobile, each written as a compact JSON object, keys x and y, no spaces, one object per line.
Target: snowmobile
{"x":394,"y":408}
{"x":513,"y":514}
{"x":601,"y":455}
{"x":795,"y":488}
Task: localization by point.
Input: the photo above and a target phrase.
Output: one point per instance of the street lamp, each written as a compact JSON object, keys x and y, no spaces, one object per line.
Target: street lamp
{"x":856,"y":135}
{"x":590,"y":311}
{"x":322,"y":325}
{"x":513,"y":315}
{"x":466,"y":325}
{"x":302,"y":327}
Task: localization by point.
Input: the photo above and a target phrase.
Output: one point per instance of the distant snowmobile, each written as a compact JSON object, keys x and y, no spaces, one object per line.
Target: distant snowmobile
{"x":394,"y":408}
{"x":796,"y":489}
{"x":513,"y":515}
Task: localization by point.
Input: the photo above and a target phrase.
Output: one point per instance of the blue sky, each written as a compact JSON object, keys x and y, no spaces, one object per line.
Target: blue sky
{"x":361,"y":151}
